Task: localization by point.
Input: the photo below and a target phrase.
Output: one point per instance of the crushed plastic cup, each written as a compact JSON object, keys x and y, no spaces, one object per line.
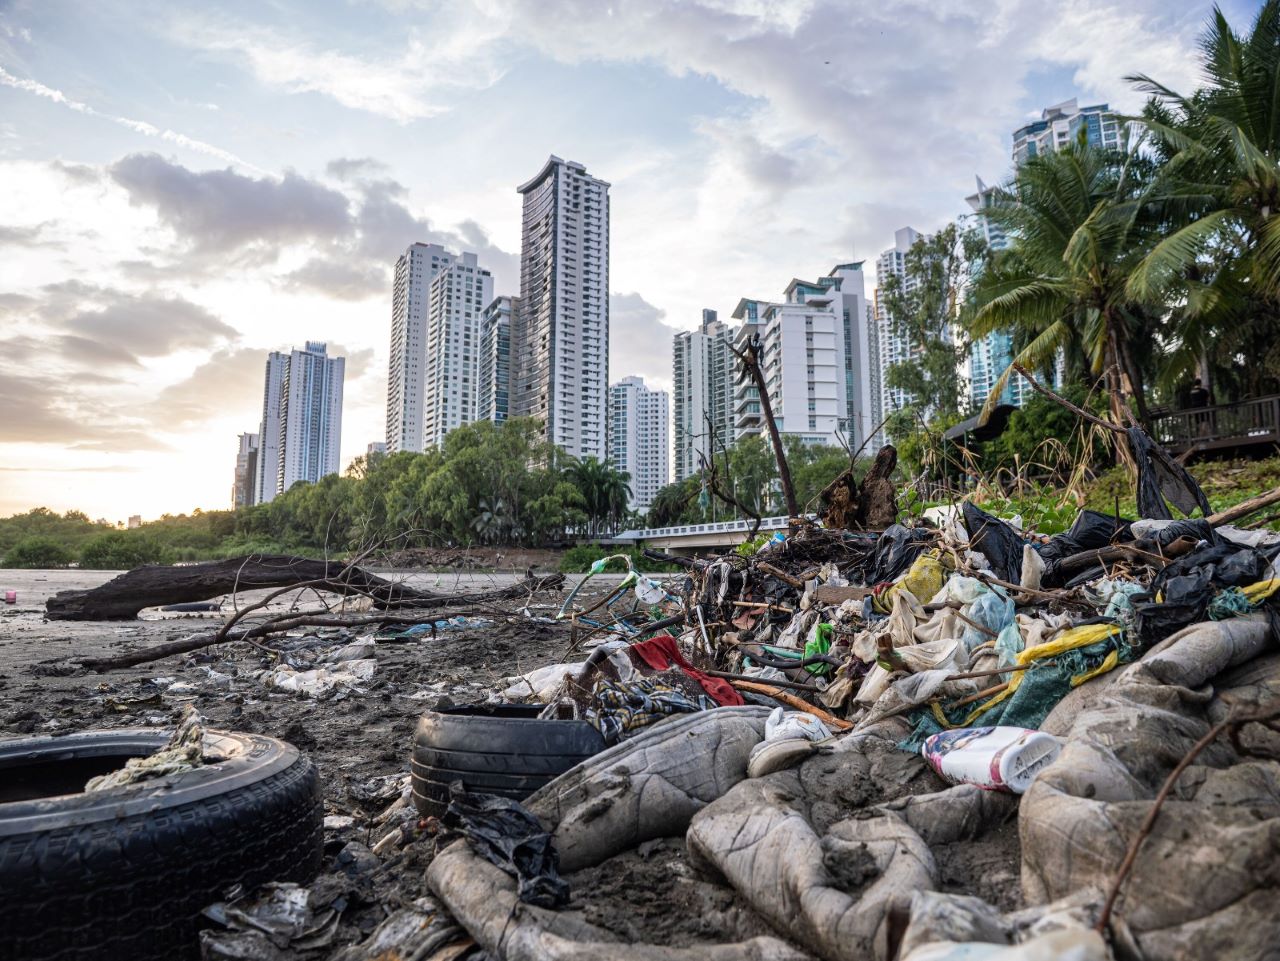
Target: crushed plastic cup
{"x":11,"y":597}
{"x":994,"y":758}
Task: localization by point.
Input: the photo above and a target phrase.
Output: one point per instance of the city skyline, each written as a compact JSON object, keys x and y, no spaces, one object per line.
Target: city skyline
{"x":249,"y":184}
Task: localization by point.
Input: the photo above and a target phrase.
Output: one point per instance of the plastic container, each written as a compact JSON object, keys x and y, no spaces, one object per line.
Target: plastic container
{"x":994,"y":758}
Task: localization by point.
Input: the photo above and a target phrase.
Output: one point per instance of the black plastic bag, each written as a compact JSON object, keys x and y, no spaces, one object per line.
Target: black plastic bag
{"x":1092,"y":530}
{"x":1197,"y":528}
{"x":1160,"y":477}
{"x":1184,"y":600}
{"x":1225,"y":564}
{"x":896,"y":550}
{"x":505,"y":833}
{"x":999,"y":543}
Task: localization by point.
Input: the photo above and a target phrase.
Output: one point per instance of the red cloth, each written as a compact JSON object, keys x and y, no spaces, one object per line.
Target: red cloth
{"x":661,"y":652}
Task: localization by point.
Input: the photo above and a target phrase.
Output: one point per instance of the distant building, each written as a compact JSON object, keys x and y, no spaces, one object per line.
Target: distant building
{"x":302,"y":410}
{"x":703,"y":371}
{"x":458,"y":296}
{"x":135,"y":520}
{"x":747,"y":417}
{"x":494,"y":393}
{"x":244,"y":488}
{"x":560,"y":334}
{"x":410,"y":314}
{"x":1062,"y":124}
{"x":375,"y":447}
{"x":269,"y":430}
{"x":638,"y":441}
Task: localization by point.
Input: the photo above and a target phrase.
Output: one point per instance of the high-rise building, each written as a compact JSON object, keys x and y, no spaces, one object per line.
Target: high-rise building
{"x":244,"y":488}
{"x":560,"y":334}
{"x":375,"y":447}
{"x":991,"y":355}
{"x":495,"y":360}
{"x":410,"y":314}
{"x":703,"y":371}
{"x":301,"y":429}
{"x":1062,"y":124}
{"x":459,"y":294}
{"x":269,"y":429}
{"x":638,"y":440}
{"x":891,"y":347}
{"x":310,"y":416}
{"x":747,"y":418}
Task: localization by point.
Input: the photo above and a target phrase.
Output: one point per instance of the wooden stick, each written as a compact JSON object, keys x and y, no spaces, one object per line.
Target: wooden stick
{"x":764,"y":567}
{"x":762,"y":604}
{"x":1078,"y":411}
{"x":1244,"y":508}
{"x":981,"y":694}
{"x":998,"y":670}
{"x":792,"y":701}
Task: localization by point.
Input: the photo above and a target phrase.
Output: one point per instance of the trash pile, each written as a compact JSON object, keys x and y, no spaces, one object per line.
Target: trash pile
{"x":845,"y":723}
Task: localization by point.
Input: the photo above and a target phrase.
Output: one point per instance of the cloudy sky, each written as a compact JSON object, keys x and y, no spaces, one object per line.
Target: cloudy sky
{"x":185,"y":186}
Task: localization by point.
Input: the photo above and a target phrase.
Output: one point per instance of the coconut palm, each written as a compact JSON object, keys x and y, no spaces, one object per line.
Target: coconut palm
{"x":1219,"y":189}
{"x":1080,"y":222}
{"x":605,"y":490}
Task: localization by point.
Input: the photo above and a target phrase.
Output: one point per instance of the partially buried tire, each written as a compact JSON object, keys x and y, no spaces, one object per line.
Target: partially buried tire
{"x":124,"y":873}
{"x":498,"y":749}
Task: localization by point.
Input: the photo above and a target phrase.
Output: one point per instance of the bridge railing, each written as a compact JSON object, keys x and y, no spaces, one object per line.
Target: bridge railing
{"x":715,"y":527}
{"x":1250,"y":421}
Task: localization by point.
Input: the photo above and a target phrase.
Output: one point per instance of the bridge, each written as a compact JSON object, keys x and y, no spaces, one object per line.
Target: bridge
{"x":688,"y":538}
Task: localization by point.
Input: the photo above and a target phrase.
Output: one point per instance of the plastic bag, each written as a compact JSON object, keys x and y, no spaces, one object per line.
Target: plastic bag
{"x":505,"y":833}
{"x":895,"y":551}
{"x":782,"y":725}
{"x":996,"y":540}
{"x":1160,"y":477}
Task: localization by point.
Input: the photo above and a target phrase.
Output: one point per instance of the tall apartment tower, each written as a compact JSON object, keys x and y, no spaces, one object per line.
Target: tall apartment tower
{"x":416,"y":269}
{"x":244,"y":488}
{"x":1062,"y":124}
{"x":638,"y":440}
{"x":459,"y":294}
{"x":991,"y":355}
{"x":703,"y":373}
{"x":494,"y":394}
{"x":310,"y":416}
{"x":269,"y":430}
{"x":747,"y":419}
{"x":891,"y":348}
{"x":560,"y":335}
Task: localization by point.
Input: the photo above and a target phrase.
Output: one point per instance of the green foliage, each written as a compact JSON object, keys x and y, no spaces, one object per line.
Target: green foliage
{"x":38,"y":551}
{"x":123,"y":550}
{"x":578,"y":560}
{"x":750,"y":547}
{"x":70,"y":530}
{"x":924,"y":305}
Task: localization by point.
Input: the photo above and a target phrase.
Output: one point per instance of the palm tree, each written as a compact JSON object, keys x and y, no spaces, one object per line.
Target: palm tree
{"x":605,"y":490}
{"x":1080,"y":222}
{"x":1220,"y":192}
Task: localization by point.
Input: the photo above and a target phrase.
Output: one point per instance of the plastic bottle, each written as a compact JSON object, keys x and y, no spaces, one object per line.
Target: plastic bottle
{"x":995,"y":758}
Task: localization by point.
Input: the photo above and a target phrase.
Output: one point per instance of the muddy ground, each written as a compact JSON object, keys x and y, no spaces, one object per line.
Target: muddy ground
{"x":361,"y":741}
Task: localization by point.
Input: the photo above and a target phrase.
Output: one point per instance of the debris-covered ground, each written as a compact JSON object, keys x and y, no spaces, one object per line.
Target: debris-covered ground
{"x":954,"y":739}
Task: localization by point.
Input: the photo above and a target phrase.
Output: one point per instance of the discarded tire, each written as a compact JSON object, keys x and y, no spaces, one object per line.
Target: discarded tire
{"x":124,"y":873}
{"x":494,"y":749}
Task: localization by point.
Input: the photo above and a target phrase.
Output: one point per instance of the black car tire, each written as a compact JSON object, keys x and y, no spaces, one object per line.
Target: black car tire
{"x":124,"y":873}
{"x":498,"y":749}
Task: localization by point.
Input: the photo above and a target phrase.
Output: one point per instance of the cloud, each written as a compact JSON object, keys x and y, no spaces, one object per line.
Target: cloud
{"x":46,"y":409}
{"x":459,"y":51}
{"x":340,"y":278}
{"x":137,"y":126}
{"x":26,"y":236}
{"x":149,"y":325}
{"x":349,"y":168}
{"x":221,"y":210}
{"x":230,"y":378}
{"x":639,"y":340}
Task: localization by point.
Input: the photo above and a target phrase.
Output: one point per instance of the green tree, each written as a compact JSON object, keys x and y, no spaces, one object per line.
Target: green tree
{"x":122,"y":550}
{"x":924,"y":306}
{"x":605,"y":492}
{"x":1080,"y":223}
{"x":1219,"y":191}
{"x":38,"y":552}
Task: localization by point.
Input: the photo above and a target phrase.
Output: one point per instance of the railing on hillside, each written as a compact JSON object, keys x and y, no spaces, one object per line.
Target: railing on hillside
{"x":1244,"y":424}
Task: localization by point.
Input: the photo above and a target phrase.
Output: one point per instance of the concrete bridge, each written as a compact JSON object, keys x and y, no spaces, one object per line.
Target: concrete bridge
{"x":689,"y":538}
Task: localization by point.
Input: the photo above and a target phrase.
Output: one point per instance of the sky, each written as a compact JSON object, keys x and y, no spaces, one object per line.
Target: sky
{"x":187,"y":186}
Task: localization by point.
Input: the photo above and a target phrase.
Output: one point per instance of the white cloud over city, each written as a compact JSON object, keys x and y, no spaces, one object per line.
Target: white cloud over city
{"x":187,"y":187}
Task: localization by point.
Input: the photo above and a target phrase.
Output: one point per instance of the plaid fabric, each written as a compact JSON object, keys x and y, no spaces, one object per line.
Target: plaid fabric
{"x":617,"y":708}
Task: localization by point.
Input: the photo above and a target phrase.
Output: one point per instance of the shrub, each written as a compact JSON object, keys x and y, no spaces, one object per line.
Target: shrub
{"x":122,"y":550}
{"x":37,"y":552}
{"x":578,"y":560}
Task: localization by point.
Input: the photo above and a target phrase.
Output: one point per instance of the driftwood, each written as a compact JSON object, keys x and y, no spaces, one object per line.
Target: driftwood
{"x":870,"y":505}
{"x":121,"y":598}
{"x":1244,"y":508}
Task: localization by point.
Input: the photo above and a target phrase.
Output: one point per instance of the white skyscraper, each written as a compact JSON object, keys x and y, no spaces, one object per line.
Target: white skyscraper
{"x":310,"y":416}
{"x":269,"y":431}
{"x":803,"y":361}
{"x":638,"y":440}
{"x":244,"y":488}
{"x":494,"y":393}
{"x":703,"y":373}
{"x":890,"y":347}
{"x":407,"y":371}
{"x":459,"y":294}
{"x":747,"y":418}
{"x":560,"y":334}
